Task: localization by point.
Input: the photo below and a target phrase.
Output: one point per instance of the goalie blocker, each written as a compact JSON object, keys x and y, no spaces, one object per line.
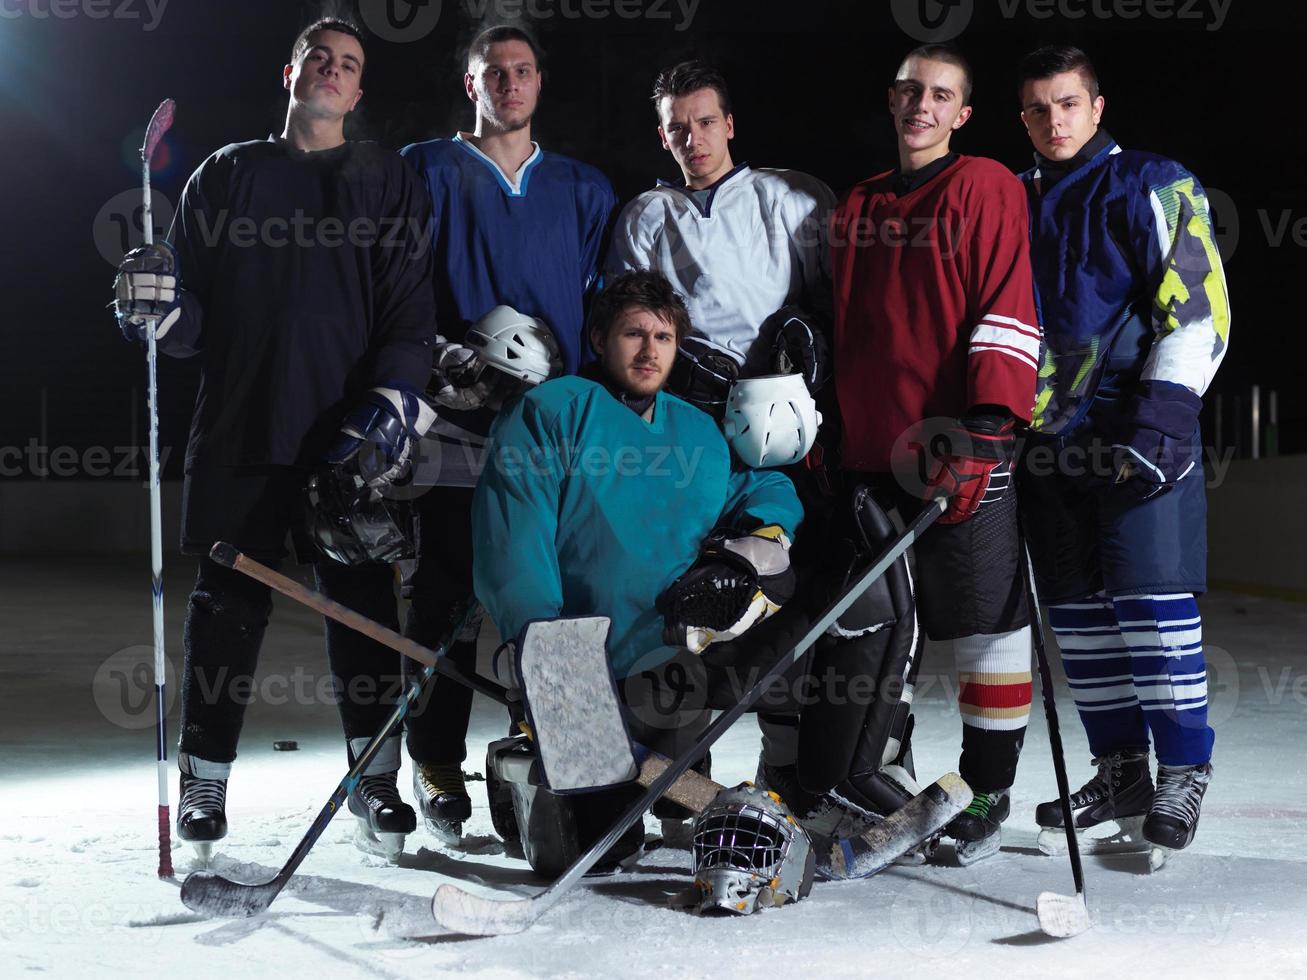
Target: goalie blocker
{"x":851,"y":695}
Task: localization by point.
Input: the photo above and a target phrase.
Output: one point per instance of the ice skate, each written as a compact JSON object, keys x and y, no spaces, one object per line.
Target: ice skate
{"x":202,"y":814}
{"x":442,"y":797}
{"x":1173,"y":817}
{"x":383,"y":819}
{"x":977,"y":830}
{"x":1109,"y":809}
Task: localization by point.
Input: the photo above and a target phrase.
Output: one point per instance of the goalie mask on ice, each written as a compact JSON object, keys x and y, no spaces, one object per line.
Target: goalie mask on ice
{"x":749,"y":853}
{"x":771,"y":421}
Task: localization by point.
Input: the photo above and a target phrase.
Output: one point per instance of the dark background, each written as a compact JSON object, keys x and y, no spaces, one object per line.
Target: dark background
{"x":808,"y":81}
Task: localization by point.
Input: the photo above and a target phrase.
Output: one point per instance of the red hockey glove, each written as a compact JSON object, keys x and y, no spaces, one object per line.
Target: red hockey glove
{"x":975,"y":468}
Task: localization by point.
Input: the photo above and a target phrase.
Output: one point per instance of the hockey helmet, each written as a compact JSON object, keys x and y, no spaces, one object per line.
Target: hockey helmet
{"x":749,"y":852}
{"x":353,"y":523}
{"x":702,"y":374}
{"x":771,"y":421}
{"x":519,"y":345}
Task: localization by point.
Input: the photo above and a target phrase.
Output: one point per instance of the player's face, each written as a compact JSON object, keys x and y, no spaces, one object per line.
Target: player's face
{"x":1059,"y":114}
{"x":638,"y":351}
{"x":698,"y":133}
{"x":505,"y":86}
{"x":927,"y":103}
{"x":325,"y":81}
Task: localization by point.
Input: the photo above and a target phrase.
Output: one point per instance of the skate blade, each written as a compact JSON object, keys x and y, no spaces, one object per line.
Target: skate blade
{"x":203,"y":851}
{"x":970,"y":851}
{"x":1124,"y":836}
{"x":388,"y":846}
{"x":449,"y":834}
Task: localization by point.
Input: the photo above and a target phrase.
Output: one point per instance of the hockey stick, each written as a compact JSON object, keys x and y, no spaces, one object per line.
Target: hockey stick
{"x":210,"y":893}
{"x":160,"y":123}
{"x":1060,"y":916}
{"x":462,"y":912}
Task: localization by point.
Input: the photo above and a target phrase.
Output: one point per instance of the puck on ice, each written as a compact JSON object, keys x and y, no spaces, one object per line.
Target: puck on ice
{"x":285,"y":745}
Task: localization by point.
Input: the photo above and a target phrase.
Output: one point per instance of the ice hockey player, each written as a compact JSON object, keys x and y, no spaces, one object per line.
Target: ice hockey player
{"x":605,"y":493}
{"x":936,"y":347}
{"x":703,"y":234}
{"x":518,"y":237}
{"x":312,"y":350}
{"x":1136,"y":322}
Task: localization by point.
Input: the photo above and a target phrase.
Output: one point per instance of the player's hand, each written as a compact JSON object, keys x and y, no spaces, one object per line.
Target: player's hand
{"x":1155,"y":446}
{"x":975,"y":469}
{"x":146,"y":290}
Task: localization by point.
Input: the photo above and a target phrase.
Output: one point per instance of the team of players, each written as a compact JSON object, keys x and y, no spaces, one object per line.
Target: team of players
{"x":915,"y":291}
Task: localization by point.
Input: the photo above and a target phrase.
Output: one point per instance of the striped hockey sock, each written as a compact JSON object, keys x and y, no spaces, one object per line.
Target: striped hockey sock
{"x":1164,"y":634}
{"x":1098,"y":669}
{"x":994,"y":698}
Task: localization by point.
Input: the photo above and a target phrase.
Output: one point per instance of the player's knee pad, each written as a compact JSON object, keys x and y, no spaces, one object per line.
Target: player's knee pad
{"x":231,"y":597}
{"x":865,"y":667}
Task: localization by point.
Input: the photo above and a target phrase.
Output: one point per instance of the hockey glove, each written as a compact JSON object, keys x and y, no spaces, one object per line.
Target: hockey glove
{"x":1156,"y":449}
{"x":459,"y":379}
{"x":976,"y":467}
{"x":800,"y":347}
{"x":738,"y":580}
{"x":146,"y":289}
{"x":378,"y":436}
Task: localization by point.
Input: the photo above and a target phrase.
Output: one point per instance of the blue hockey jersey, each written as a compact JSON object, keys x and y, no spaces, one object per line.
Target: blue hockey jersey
{"x":532,"y":240}
{"x":1129,"y":282}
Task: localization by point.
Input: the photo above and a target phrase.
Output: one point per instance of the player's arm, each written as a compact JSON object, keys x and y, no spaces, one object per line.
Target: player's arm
{"x":1191,"y":322}
{"x":811,"y":208}
{"x":598,"y":223}
{"x":515,"y":520}
{"x":403,"y":312}
{"x":630,"y":247}
{"x":169,"y":280}
{"x":1003,"y":349}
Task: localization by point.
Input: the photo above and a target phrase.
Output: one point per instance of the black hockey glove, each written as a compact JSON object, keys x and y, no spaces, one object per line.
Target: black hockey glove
{"x":800,"y":347}
{"x":379,"y":436}
{"x":738,"y":580}
{"x":146,"y":289}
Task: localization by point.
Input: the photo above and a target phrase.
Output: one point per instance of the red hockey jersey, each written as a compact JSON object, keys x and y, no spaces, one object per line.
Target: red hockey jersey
{"x":934,"y":306}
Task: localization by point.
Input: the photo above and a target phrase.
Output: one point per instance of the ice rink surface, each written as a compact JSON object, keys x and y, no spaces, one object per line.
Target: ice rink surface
{"x":79,"y":896}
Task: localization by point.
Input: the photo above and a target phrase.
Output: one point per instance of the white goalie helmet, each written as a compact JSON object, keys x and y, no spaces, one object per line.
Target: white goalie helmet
{"x":517,"y":344}
{"x":771,"y":420}
{"x":750,"y":853}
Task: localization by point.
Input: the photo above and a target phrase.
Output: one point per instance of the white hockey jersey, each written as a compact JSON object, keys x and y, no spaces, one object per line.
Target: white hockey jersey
{"x":756,"y":244}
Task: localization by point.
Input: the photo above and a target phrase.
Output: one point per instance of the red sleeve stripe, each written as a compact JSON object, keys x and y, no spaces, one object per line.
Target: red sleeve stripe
{"x":989,"y":332}
{"x":1021,"y":356}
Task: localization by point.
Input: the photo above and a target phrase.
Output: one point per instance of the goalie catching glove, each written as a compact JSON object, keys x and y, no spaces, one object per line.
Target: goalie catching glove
{"x":738,"y":580}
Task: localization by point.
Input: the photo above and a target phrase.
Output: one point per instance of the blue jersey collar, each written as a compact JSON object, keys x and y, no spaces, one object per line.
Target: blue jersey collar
{"x":514,"y":186}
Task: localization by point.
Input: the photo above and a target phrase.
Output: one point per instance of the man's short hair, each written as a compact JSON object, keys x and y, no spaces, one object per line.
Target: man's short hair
{"x":687,"y":77}
{"x":1054,"y":59}
{"x":326,"y":24}
{"x":950,"y":55}
{"x":479,"y":49}
{"x":646,"y":290}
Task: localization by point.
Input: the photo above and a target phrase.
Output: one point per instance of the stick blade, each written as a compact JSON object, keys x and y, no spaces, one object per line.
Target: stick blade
{"x":209,"y":893}
{"x":471,"y":915}
{"x":1062,"y":916}
{"x":160,"y":123}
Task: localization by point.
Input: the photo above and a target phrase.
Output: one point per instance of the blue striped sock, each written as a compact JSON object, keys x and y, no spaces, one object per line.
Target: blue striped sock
{"x":1098,"y":669}
{"x":1165,"y":637}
